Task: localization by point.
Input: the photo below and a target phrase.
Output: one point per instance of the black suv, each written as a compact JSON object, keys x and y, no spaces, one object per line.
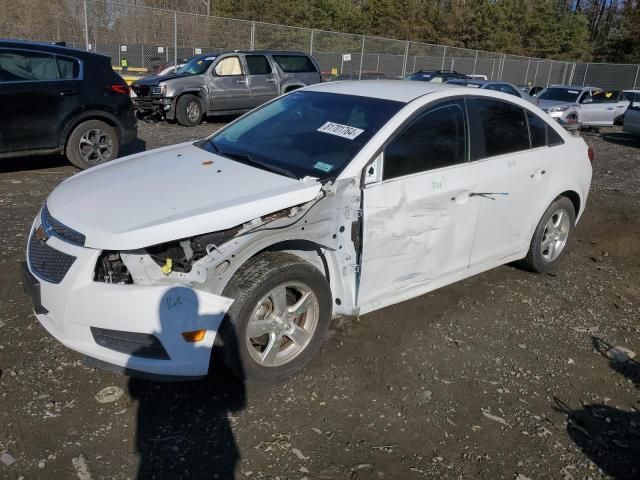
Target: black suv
{"x":435,"y":76}
{"x":55,"y":99}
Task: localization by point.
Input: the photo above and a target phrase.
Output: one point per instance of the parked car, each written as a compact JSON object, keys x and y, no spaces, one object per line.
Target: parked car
{"x":55,"y":99}
{"x":224,"y":83}
{"x":435,"y":76}
{"x":490,"y":85}
{"x":357,"y":76}
{"x":631,"y":122}
{"x":473,"y":76}
{"x":532,"y":91}
{"x":336,"y":199}
{"x":604,"y":108}
{"x":563,"y":102}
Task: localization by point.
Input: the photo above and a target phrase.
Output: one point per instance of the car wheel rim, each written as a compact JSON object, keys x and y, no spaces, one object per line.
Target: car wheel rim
{"x":282,"y":324}
{"x":193,"y":111}
{"x":556,"y":233}
{"x":96,"y":146}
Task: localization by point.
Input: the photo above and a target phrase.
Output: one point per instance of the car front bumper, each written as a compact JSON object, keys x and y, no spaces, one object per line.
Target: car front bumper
{"x":151,"y":104}
{"x":569,"y":120}
{"x":69,"y":309}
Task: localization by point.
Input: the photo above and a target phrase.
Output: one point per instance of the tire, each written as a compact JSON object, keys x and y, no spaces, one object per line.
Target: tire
{"x":253,"y":289}
{"x":543,"y":255}
{"x":92,"y":143}
{"x":189,"y":110}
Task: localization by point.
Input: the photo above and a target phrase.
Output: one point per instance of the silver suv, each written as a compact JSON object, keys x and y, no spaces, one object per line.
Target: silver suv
{"x":222,"y":84}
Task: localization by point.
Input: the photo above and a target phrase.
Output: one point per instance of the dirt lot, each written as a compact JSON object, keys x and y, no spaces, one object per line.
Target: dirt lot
{"x":504,"y":375}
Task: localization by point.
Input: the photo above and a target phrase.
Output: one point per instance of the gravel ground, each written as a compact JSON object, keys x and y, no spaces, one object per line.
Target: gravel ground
{"x":502,"y":376}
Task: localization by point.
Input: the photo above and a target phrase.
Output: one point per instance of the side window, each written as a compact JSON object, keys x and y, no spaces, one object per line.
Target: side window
{"x":606,"y":96}
{"x":229,"y":66}
{"x":537,"y":130}
{"x":635,"y":103}
{"x":504,"y":126}
{"x":258,"y":65}
{"x":435,"y":139}
{"x":553,"y":137}
{"x":509,"y":89}
{"x":295,"y":63}
{"x":68,"y":68}
{"x":17,"y":66}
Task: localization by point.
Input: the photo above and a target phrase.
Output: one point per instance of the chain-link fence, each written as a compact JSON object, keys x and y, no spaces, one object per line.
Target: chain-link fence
{"x":149,"y":38}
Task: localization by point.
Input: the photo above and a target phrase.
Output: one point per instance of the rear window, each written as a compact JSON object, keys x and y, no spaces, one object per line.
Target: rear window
{"x":295,"y":63}
{"x":68,"y":68}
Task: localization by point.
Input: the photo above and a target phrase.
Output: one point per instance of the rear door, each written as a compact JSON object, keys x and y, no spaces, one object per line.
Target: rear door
{"x":510,"y":177}
{"x":37,"y":92}
{"x":418,"y":219}
{"x":262,"y":80}
{"x":229,"y":89}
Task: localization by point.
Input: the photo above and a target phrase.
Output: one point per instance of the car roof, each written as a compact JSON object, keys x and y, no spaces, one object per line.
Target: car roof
{"x":575,"y":87}
{"x":48,"y":47}
{"x":398,"y":90}
{"x":472,"y":81}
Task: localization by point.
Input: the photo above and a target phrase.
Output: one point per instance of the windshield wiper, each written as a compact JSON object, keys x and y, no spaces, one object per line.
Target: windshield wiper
{"x":248,"y":160}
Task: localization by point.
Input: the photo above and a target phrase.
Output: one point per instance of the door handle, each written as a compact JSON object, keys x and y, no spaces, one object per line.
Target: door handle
{"x":610,"y":108}
{"x":271,"y":80}
{"x":241,"y":82}
{"x":68,"y":93}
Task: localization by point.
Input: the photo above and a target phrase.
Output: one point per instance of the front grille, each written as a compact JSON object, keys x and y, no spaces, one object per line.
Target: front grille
{"x":48,"y":263}
{"x":141,"y":90}
{"x":57,"y":229}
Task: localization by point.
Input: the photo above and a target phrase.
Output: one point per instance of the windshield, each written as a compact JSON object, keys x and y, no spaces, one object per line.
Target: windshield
{"x":559,"y":94}
{"x":196,"y":66}
{"x":304,"y":133}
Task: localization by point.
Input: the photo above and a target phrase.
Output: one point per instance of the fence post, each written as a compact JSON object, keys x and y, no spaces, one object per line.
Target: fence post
{"x":586,"y":69}
{"x":635,"y":80}
{"x":475,"y":63}
{"x":526,"y":75}
{"x":502,"y":66}
{"x":361,"y":58}
{"x":573,"y":70}
{"x":311,"y":43}
{"x":535,"y":75}
{"x":175,"y":39}
{"x":253,"y":36}
{"x":444,"y":55}
{"x":414,"y":63}
{"x":404,"y":62}
{"x":493,"y":66}
{"x":86,"y":26}
{"x":549,"y":76}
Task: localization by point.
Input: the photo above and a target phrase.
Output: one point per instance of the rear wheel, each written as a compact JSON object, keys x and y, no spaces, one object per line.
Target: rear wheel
{"x":92,"y":143}
{"x":552,"y":235}
{"x":280,"y":315}
{"x":189,"y":110}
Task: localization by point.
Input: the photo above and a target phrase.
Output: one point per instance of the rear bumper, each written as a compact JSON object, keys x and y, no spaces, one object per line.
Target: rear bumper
{"x":69,"y":309}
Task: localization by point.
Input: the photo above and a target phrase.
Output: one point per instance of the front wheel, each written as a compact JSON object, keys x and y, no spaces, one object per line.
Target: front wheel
{"x":551,"y":237}
{"x":280,"y":315}
{"x":189,"y":110}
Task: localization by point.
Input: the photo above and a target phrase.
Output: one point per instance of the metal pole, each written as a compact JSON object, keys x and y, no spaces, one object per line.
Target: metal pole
{"x":475,"y":62}
{"x":142,"y":54}
{"x":175,"y":38}
{"x":502,"y":67}
{"x":311,"y":43}
{"x":535,"y":75}
{"x":444,"y":55}
{"x":635,"y":80}
{"x":253,"y":36}
{"x":361,"y":58}
{"x":573,"y":71}
{"x":378,"y":63}
{"x":404,"y":62}
{"x":584,"y":79}
{"x":86,"y":26}
{"x":549,"y":76}
{"x":526,"y":75}
{"x":493,"y":66}
{"x":414,"y":63}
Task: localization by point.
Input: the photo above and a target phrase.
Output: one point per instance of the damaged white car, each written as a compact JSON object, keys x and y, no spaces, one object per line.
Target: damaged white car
{"x":335,"y":199}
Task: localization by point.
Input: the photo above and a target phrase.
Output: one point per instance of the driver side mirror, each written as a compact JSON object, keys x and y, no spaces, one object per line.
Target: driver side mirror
{"x":587,"y":100}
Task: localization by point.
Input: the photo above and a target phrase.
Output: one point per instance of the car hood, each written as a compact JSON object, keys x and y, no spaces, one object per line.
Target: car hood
{"x":168,"y":194}
{"x":153,"y":80}
{"x":547,"y":104}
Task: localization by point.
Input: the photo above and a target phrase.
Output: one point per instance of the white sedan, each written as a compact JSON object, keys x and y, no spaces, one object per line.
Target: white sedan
{"x":336,"y":199}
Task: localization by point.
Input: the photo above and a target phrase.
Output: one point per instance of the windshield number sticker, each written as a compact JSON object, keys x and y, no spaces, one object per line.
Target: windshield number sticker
{"x":344,"y":131}
{"x":325,"y":167}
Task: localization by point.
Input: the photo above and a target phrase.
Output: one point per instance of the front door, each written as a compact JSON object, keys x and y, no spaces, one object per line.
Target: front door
{"x":419,"y":219}
{"x":33,"y":100}
{"x":632,"y":116}
{"x":262,"y":80}
{"x":603,"y":108}
{"x":229,"y":89}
